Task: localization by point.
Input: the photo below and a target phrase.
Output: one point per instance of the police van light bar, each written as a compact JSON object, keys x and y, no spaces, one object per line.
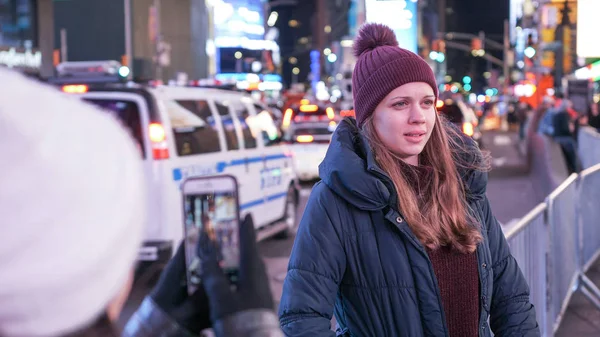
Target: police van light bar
{"x":91,"y":69}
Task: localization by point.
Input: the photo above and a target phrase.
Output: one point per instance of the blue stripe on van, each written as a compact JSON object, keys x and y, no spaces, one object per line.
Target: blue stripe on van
{"x":222,"y":165}
{"x":257,"y":202}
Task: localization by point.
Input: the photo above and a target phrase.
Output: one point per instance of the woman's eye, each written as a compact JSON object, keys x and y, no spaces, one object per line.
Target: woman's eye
{"x":428,"y":102}
{"x":400,"y":104}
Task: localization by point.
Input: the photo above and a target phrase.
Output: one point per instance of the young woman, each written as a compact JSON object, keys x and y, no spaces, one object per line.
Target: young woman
{"x":398,"y":239}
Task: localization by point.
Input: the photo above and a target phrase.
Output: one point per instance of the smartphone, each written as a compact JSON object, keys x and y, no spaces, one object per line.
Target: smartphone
{"x":211,"y":205}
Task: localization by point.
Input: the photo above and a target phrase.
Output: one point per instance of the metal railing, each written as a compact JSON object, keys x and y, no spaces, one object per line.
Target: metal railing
{"x":528,"y":240}
{"x":556,"y":243}
{"x":587,"y":146}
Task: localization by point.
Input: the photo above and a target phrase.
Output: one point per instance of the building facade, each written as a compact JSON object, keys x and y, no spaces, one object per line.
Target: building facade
{"x":156,"y":39}
{"x":25,"y":36}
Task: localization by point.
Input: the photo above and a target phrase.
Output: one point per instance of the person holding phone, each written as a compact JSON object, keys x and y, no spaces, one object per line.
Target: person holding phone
{"x":72,"y":202}
{"x":72,"y":213}
{"x":398,"y":239}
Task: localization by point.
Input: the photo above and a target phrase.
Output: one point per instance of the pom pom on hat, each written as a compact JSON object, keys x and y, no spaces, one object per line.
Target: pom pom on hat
{"x":373,"y":35}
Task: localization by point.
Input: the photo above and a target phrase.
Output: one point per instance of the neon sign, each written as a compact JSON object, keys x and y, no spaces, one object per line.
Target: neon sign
{"x":21,"y":59}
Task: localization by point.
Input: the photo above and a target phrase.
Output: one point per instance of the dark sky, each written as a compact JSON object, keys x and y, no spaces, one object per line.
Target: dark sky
{"x":476,"y":15}
{"x":472,"y":16}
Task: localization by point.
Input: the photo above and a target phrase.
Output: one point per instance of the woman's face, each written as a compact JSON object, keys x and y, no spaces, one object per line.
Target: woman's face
{"x":405,"y":118}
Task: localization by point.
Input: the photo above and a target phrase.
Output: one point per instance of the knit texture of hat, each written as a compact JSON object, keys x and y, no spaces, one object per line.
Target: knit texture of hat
{"x":381,"y":67}
{"x":72,"y":202}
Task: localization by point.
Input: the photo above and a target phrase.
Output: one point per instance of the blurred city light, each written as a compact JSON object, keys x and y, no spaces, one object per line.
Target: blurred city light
{"x":481,"y":98}
{"x":472,"y":98}
{"x":467,"y":80}
{"x":238,"y":55}
{"x":467,"y":87}
{"x":326,"y":51}
{"x":346,"y":43}
{"x":441,"y":57}
{"x":296,"y":71}
{"x":489,"y":92}
{"x":124,"y":71}
{"x":272,"y":19}
{"x":433,"y":55}
{"x":448,"y":78}
{"x":529,"y":52}
{"x":454,"y":89}
{"x":331,"y":57}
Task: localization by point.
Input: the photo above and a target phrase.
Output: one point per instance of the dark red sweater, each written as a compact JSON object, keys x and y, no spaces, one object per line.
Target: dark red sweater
{"x":457,"y":275}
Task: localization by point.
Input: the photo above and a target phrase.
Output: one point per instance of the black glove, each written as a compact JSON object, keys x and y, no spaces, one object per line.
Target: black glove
{"x":252,"y":291}
{"x":171,"y":295}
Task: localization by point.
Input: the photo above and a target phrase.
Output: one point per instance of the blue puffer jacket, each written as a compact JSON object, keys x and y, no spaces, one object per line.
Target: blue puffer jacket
{"x":355,"y":256}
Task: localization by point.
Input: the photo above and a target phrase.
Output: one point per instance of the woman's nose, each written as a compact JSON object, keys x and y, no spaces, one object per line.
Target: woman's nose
{"x":416,"y":116}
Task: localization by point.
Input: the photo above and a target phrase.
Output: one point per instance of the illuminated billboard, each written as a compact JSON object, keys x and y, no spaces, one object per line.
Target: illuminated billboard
{"x":400,"y":15}
{"x":240,"y":23}
{"x":588,"y":27}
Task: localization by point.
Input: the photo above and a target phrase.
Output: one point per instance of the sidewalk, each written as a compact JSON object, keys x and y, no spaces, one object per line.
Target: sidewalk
{"x":509,"y":190}
{"x":512,"y":195}
{"x":582,"y":319}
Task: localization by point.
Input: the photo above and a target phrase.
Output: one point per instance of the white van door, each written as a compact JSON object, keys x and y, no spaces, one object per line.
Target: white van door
{"x":132,"y":111}
{"x":240,"y":161}
{"x":199,"y":151}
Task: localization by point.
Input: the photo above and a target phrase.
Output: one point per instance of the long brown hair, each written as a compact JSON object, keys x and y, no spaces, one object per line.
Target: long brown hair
{"x":441,"y":219}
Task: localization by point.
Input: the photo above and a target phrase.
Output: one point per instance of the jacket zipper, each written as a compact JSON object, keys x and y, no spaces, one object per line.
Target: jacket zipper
{"x":416,"y":243}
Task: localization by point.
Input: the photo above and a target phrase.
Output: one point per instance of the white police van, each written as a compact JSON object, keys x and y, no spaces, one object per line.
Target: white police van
{"x":185,"y":132}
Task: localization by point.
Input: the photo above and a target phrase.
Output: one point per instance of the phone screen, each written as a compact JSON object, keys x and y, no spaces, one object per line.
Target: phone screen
{"x":216,"y":213}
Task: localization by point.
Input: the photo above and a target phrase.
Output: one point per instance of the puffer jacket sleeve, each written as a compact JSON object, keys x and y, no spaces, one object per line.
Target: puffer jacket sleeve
{"x":511,"y":314}
{"x":315,"y":270}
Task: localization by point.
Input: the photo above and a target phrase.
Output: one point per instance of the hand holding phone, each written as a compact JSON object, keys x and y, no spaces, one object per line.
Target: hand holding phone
{"x":252,"y":291}
{"x":171,"y":295}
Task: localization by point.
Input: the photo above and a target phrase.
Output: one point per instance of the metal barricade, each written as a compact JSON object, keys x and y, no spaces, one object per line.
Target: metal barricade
{"x":588,"y":148}
{"x":562,"y":246}
{"x":589,"y":215}
{"x":528,"y":240}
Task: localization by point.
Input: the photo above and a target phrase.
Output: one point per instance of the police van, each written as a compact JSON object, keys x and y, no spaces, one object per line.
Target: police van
{"x":186,"y":132}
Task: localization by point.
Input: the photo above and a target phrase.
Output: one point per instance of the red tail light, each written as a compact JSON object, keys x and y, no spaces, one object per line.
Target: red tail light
{"x":158,"y":141}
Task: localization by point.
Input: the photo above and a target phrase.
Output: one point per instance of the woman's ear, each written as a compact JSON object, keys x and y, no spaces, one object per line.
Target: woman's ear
{"x":116,"y":305}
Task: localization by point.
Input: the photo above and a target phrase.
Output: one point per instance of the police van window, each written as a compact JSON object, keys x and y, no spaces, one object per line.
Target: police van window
{"x":266,"y":126}
{"x":228,"y":126}
{"x":242,"y":114}
{"x":128,"y":113}
{"x":194,"y":127}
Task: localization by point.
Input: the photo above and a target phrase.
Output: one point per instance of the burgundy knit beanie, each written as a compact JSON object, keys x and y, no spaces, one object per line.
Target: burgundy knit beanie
{"x":381,"y":67}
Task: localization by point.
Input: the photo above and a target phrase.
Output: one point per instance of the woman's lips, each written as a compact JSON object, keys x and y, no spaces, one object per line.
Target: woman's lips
{"x":415,"y":137}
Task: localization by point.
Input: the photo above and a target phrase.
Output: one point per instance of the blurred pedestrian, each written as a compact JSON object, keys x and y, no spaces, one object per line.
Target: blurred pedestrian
{"x":398,"y":239}
{"x":72,"y":206}
{"x":594,"y":116}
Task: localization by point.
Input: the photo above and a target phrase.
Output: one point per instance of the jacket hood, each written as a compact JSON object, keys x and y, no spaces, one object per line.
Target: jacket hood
{"x":350,"y":170}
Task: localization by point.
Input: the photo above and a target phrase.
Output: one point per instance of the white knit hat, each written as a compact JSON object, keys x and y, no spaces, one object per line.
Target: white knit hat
{"x":71,"y":209}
